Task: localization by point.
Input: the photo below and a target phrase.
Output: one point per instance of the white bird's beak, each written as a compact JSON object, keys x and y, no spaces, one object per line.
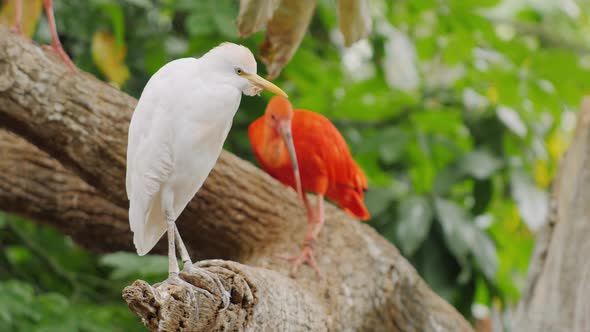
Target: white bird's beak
{"x":264,"y":84}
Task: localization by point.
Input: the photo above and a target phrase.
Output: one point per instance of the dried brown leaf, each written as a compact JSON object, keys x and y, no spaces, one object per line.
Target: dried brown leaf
{"x":354,"y":19}
{"x":254,"y":14}
{"x":284,"y":34}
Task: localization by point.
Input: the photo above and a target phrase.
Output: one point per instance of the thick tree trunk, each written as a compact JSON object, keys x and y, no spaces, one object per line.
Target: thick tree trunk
{"x":240,"y":213}
{"x":558,"y":285}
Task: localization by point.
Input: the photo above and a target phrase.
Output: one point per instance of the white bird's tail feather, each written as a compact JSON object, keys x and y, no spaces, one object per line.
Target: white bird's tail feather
{"x":147,"y":226}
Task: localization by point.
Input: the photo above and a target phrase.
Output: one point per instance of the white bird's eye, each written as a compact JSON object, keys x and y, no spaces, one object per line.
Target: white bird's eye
{"x":239,"y":71}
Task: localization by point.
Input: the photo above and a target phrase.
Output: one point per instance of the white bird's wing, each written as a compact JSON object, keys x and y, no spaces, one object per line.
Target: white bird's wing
{"x":149,"y":165}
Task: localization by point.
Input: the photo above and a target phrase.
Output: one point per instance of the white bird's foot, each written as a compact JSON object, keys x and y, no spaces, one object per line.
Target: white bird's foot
{"x":174,"y":281}
{"x":211,"y":281}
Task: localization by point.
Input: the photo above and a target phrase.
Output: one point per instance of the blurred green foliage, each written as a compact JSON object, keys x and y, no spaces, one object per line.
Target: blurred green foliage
{"x":457,"y":111}
{"x":47,"y":283}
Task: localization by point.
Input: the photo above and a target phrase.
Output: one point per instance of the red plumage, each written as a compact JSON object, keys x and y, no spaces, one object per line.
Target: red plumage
{"x":325,"y":162}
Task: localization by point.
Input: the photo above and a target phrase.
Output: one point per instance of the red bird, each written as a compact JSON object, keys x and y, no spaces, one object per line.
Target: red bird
{"x":323,"y":160}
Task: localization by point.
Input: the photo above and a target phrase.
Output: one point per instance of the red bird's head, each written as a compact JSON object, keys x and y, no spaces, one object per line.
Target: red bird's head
{"x":279,"y":112}
{"x":278,"y":116}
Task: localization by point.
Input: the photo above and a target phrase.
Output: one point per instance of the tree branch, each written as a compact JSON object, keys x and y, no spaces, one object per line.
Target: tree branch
{"x":240,"y":213}
{"x":35,"y":186}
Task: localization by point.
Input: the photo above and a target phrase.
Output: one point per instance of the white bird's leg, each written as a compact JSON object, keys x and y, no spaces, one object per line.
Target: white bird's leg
{"x":188,"y":266}
{"x":173,"y":270}
{"x":186,"y":259}
{"x":168,"y":204}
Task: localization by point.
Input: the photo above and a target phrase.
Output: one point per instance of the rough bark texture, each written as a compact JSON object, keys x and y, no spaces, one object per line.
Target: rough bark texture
{"x":558,"y":285}
{"x":256,"y":295}
{"x":34,"y":185}
{"x":241,"y":213}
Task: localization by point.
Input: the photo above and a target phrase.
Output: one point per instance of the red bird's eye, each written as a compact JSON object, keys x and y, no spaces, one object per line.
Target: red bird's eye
{"x":274,"y":117}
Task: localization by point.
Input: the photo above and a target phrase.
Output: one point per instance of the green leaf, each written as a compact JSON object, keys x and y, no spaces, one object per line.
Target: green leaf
{"x":453,"y":219}
{"x":480,"y":164}
{"x":15,"y":301}
{"x":18,"y":254}
{"x":51,"y":303}
{"x":392,"y":144}
{"x":446,"y":178}
{"x":115,"y":12}
{"x":223,"y":17}
{"x":532,"y":201}
{"x":482,"y":193}
{"x":512,"y":120}
{"x":464,"y":238}
{"x":199,"y":23}
{"x":436,"y":265}
{"x":482,"y":292}
{"x":415,"y":219}
{"x":379,"y":199}
{"x":484,"y":252}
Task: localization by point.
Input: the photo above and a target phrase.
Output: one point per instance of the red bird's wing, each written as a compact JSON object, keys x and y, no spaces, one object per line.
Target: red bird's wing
{"x":256,"y":136}
{"x":349,"y":193}
{"x":323,"y":156}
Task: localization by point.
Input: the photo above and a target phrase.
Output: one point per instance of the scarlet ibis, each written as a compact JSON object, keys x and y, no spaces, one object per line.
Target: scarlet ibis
{"x":55,"y":44}
{"x":323,"y":161}
{"x":175,"y":137}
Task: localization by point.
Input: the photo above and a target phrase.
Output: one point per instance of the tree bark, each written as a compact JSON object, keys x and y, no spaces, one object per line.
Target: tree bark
{"x":558,"y":283}
{"x":34,"y":185}
{"x":240,"y":213}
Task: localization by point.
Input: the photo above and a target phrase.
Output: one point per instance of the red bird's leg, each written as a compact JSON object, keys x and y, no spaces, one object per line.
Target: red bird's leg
{"x":315,"y":221}
{"x":18,"y":27}
{"x":56,"y":44}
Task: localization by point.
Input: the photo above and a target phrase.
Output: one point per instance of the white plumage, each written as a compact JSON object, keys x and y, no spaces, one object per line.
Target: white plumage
{"x":177,"y":132}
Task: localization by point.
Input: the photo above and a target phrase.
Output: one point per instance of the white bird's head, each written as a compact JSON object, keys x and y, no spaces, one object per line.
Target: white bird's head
{"x":237,"y":66}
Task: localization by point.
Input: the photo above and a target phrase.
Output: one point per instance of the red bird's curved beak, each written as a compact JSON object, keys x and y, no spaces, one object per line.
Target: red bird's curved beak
{"x":285,"y":131}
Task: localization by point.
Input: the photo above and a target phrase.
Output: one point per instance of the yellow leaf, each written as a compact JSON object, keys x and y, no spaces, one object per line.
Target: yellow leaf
{"x":284,"y":34}
{"x":493,"y":95}
{"x":512,"y":220}
{"x":556,"y":145}
{"x":31,"y":11}
{"x":542,"y":174}
{"x":109,"y":58}
{"x":254,"y":14}
{"x":354,"y":20}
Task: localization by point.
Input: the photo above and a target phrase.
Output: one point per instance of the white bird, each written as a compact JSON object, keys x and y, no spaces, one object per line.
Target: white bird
{"x":176,"y":134}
